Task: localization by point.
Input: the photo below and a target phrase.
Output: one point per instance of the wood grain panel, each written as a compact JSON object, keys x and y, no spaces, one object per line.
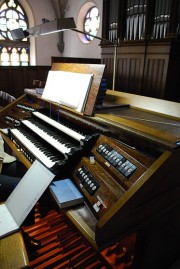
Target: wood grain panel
{"x":18,"y":81}
{"x":128,"y":74}
{"x":146,"y":68}
{"x":108,"y":73}
{"x":4,"y":79}
{"x":14,"y":79}
{"x":129,"y":68}
{"x":153,"y":81}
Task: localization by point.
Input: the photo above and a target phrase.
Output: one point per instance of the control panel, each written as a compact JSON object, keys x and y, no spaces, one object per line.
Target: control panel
{"x":108,"y":173}
{"x":98,"y":187}
{"x":87,"y":180}
{"x":117,"y":160}
{"x":125,"y":164}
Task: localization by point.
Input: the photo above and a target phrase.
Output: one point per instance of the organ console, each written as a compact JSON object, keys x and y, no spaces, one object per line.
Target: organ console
{"x":125,"y":161}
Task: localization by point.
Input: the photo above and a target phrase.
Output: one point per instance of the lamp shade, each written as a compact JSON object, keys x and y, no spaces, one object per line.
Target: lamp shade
{"x":44,"y":29}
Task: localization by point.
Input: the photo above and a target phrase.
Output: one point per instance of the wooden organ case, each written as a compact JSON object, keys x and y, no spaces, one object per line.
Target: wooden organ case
{"x":128,"y":171}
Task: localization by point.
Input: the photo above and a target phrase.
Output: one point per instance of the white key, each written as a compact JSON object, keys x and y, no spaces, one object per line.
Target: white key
{"x":56,"y":144}
{"x":60,"y":126}
{"x":32,"y":148}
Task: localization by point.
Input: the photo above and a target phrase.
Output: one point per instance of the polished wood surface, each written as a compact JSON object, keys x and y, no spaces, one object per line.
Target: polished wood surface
{"x":155,"y":127}
{"x":13,"y":252}
{"x":15,"y":78}
{"x":148,"y":104}
{"x":152,"y":119}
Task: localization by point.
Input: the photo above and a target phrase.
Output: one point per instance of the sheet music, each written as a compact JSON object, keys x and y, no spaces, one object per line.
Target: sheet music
{"x":28,"y":191}
{"x":7,"y":223}
{"x":20,"y":202}
{"x":68,"y":88}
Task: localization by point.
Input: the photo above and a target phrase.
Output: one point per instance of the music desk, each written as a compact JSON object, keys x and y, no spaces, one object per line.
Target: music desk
{"x":13,"y":253}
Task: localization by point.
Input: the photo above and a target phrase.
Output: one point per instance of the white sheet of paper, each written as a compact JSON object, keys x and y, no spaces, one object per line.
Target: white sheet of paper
{"x":7,"y":223}
{"x":23,"y":198}
{"x":68,"y":88}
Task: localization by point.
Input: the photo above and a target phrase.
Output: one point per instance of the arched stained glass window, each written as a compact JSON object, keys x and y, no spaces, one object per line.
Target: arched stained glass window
{"x":91,"y":23}
{"x":12,"y":16}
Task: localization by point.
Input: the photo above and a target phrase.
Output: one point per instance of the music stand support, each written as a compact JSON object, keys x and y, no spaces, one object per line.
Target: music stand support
{"x":57,"y":26}
{"x":115,"y":44}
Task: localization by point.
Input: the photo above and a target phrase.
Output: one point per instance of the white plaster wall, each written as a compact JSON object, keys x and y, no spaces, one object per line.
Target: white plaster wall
{"x":44,"y":47}
{"x":74,"y":47}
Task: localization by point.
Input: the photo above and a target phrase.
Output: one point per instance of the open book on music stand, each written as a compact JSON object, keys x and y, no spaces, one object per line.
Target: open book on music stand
{"x":92,"y":73}
{"x":70,"y":89}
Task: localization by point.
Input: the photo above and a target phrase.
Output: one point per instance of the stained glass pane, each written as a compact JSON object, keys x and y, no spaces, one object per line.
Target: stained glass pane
{"x":91,"y":23}
{"x":9,"y":35}
{"x":3,"y":14}
{"x":20,"y":10}
{"x":3,"y":26}
{"x":5,"y":57}
{"x":86,"y":28}
{"x":4,"y":34}
{"x":4,"y":6}
{"x":94,"y":12}
{"x":21,"y":16}
{"x":1,"y":37}
{"x":12,"y":14}
{"x":22,"y":24}
{"x":14,"y":57}
{"x":12,"y":17}
{"x":11,"y":3}
{"x":24,"y":56}
{"x":12,"y":24}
